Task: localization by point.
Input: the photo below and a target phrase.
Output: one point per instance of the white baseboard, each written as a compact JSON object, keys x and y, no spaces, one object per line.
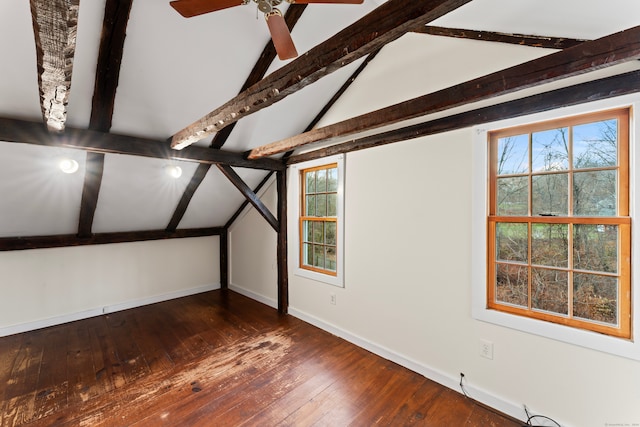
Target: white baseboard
{"x":250,"y":294}
{"x":58,"y":320}
{"x":503,"y":405}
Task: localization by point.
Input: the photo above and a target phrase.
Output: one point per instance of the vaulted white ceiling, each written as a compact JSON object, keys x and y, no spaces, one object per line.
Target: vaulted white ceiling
{"x":176,"y":70}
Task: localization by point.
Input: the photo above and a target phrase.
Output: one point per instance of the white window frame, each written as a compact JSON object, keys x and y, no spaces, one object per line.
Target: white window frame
{"x":480,"y":175}
{"x":338,"y":279}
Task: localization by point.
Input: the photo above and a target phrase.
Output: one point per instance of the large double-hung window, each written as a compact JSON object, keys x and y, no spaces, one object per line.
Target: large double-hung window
{"x":559,"y":227}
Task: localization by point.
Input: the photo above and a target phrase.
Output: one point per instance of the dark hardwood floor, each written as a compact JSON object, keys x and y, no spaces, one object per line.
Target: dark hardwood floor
{"x":214,"y":359}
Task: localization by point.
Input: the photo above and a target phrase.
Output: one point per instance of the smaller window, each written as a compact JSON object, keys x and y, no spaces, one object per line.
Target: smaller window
{"x":318,"y":188}
{"x":319,"y":219}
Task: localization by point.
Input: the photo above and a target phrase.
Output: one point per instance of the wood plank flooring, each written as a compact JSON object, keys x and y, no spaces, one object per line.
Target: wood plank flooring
{"x":214,"y":359}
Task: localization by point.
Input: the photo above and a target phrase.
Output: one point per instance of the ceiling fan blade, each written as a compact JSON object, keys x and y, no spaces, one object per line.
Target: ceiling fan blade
{"x":280,"y":35}
{"x":189,"y":8}
{"x":326,"y":1}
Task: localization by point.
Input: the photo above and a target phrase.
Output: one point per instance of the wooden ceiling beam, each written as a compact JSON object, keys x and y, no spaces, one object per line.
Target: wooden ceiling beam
{"x":385,"y":24}
{"x":251,"y":197}
{"x":491,"y":36}
{"x":114,"y":27}
{"x":58,"y":241}
{"x":28,"y":132}
{"x":55,"y":25}
{"x":609,"y":87}
{"x":583,"y":58}
{"x":291,"y":17}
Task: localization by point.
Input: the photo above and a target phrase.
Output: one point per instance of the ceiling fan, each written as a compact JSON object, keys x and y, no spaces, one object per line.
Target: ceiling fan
{"x":277,"y":26}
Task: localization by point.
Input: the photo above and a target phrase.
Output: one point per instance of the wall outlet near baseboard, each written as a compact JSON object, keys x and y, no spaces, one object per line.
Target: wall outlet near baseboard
{"x":332,"y":298}
{"x":486,"y":349}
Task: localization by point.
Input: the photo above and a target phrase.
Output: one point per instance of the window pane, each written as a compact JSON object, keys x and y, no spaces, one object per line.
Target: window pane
{"x":549,"y":290}
{"x":318,"y":256}
{"x":307,"y":254}
{"x":550,"y":195}
{"x":311,"y":182}
{"x":307,"y":231}
{"x":310,"y":209}
{"x":321,"y":205}
{"x":594,"y":193}
{"x":512,"y":242}
{"x":550,"y":245}
{"x":513,"y":196}
{"x":595,"y":145}
{"x":318,"y":232}
{"x":512,"y":284}
{"x":330,"y":228}
{"x":595,"y":247}
{"x":330,"y":258}
{"x":550,"y":150}
{"x":595,"y":298}
{"x":513,"y":155}
{"x":332,"y":179}
{"x":321,"y":181}
{"x":332,"y":205}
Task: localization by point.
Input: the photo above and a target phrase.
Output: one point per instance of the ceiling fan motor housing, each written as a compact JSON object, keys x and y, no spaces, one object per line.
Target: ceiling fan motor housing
{"x":266,"y":6}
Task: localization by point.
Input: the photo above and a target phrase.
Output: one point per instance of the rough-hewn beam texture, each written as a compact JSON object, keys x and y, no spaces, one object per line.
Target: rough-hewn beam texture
{"x":27,"y":132}
{"x":55,"y":24}
{"x":520,"y":39}
{"x":310,"y":126}
{"x":609,"y":87}
{"x":585,"y":57}
{"x":385,"y":24}
{"x":41,"y":242}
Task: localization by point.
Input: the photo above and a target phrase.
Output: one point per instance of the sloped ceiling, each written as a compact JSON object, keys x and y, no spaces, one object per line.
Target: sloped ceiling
{"x":175,"y":70}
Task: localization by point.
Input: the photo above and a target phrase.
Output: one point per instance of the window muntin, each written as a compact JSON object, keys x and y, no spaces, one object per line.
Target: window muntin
{"x":559,"y":227}
{"x":319,"y":219}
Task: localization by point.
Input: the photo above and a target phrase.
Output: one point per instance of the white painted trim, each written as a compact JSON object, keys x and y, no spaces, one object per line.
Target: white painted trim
{"x":587,"y":339}
{"x":58,"y":320}
{"x":250,"y":294}
{"x":294,"y":223}
{"x":497,"y":402}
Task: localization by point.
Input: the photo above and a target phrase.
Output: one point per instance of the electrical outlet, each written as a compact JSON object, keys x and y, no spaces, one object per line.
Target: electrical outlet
{"x":486,"y":349}
{"x":332,"y":299}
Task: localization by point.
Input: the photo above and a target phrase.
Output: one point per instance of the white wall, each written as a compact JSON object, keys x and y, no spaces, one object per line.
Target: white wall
{"x":43,"y":287}
{"x":407,"y":293}
{"x":253,"y":267}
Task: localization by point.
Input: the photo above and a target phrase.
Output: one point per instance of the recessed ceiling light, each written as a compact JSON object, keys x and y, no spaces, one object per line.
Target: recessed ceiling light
{"x":174,"y":171}
{"x":68,"y":165}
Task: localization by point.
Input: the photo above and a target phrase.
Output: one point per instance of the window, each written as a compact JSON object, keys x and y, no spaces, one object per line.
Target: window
{"x":318,"y":219}
{"x":320,"y":233}
{"x":559,"y":227}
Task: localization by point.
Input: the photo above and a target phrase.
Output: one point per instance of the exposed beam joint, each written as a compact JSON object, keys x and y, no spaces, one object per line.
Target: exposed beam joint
{"x":249,"y":195}
{"x":55,"y":25}
{"x":490,"y":36}
{"x":385,"y":24}
{"x":291,"y":17}
{"x":583,"y":58}
{"x":609,"y":87}
{"x":58,"y":241}
{"x":28,"y":132}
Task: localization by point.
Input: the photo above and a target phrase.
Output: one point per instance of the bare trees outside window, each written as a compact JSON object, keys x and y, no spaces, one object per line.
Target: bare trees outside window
{"x":559,"y":226}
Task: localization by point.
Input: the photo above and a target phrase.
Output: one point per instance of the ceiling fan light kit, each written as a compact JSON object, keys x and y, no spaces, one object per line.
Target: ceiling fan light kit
{"x":280,"y":33}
